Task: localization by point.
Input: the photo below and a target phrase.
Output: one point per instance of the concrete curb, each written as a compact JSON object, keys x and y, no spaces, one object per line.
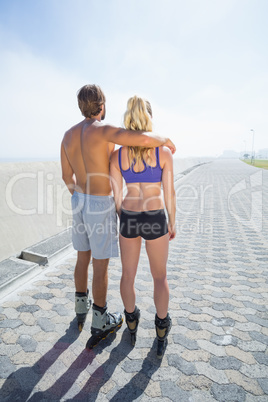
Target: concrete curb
{"x":17,"y":270}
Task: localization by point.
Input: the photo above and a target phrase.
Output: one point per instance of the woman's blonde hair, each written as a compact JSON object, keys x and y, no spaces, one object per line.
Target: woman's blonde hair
{"x":138,"y":116}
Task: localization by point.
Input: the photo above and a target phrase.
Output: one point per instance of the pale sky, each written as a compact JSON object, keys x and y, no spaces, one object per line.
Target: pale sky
{"x":201,"y":63}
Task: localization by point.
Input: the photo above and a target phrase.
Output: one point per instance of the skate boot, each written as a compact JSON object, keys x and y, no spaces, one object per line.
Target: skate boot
{"x":103,"y":323}
{"x":162,"y":329}
{"x":82,"y":306}
{"x":132,"y":321}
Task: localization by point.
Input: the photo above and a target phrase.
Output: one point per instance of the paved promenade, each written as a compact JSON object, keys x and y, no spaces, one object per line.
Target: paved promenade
{"x":218,"y":277}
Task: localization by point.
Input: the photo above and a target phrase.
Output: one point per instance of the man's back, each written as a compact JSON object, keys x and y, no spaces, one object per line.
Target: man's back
{"x":96,"y":153}
{"x":72,"y":147}
{"x":89,"y":154}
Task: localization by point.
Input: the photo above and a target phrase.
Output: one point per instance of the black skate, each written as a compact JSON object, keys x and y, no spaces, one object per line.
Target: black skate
{"x":103,"y":324}
{"x":132,"y":321}
{"x":162,"y":330}
{"x":82,"y":306}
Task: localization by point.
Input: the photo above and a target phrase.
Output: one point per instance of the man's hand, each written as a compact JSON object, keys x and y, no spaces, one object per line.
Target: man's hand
{"x":170,"y":145}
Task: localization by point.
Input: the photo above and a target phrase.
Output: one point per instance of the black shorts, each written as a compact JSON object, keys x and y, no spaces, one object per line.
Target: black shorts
{"x":148,"y":224}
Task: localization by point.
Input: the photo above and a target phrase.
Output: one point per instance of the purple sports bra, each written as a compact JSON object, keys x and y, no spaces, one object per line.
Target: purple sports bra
{"x":150,"y":174}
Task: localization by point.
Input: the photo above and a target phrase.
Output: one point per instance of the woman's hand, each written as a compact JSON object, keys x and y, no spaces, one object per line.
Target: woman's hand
{"x":171,"y":231}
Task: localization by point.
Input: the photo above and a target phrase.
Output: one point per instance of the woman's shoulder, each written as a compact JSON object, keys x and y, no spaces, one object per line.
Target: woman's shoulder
{"x":164,"y":152}
{"x":165,"y":156}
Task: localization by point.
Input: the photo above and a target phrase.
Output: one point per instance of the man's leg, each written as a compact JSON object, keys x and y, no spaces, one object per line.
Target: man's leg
{"x":103,"y":322}
{"x":81,"y":271}
{"x":100,"y":281}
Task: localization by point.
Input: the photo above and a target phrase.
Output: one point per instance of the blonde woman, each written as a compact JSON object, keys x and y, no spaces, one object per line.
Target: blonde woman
{"x":142,"y":215}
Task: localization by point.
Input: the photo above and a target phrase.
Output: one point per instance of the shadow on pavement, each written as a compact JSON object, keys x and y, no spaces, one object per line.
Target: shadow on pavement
{"x":102,"y":374}
{"x":19,"y":385}
{"x":137,"y":385}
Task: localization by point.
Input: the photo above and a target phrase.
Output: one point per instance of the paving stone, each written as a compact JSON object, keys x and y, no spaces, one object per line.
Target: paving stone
{"x":211,"y":347}
{"x":249,"y":384}
{"x":56,"y":286}
{"x":182,"y":365}
{"x":225,"y":363}
{"x":174,"y":393}
{"x":188,"y":323}
{"x":45,"y":324}
{"x":252,"y":346}
{"x":10,"y":323}
{"x":195,"y":355}
{"x":198,"y":334}
{"x":192,"y":382}
{"x":213,"y":374}
{"x":257,"y":320}
{"x":184,"y":341}
{"x":224,"y":340}
{"x":255,"y":371}
{"x":261,"y":358}
{"x":200,"y":317}
{"x":263,"y":384}
{"x":235,"y":316}
{"x":9,"y":337}
{"x":43,"y":296}
{"x":60,"y":309}
{"x":6,"y":367}
{"x":27,"y":318}
{"x":190,"y":308}
{"x":245,"y":357}
{"x":207,"y":326}
{"x":223,"y":322}
{"x":248,"y":326}
{"x":27,"y":343}
{"x":230,"y":393}
{"x":25,"y":358}
{"x":166,"y":372}
{"x":28,"y":309}
{"x":223,"y":306}
{"x":254,"y":306}
{"x":44,"y":305}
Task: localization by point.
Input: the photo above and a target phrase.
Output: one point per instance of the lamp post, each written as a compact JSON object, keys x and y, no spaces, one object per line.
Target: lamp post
{"x":253,"y":132}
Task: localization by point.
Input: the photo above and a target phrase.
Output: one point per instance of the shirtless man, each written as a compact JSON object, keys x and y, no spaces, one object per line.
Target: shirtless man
{"x":85,"y":156}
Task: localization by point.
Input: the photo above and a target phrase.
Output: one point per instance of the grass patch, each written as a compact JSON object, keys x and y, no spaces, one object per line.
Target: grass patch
{"x":260,"y":163}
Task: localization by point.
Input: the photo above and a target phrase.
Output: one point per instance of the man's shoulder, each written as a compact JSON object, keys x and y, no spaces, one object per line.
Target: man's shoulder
{"x":75,"y":128}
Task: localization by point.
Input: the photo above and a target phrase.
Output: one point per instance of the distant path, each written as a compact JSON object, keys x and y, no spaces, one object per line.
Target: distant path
{"x":228,"y":197}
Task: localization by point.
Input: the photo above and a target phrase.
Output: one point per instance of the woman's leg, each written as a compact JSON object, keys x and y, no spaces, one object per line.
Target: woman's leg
{"x":130,"y":254}
{"x":157,"y":251}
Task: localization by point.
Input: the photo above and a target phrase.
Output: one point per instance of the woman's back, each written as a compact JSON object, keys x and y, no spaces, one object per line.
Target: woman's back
{"x":143,"y":181}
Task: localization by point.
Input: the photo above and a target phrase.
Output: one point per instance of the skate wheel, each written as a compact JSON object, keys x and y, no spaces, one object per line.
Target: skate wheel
{"x":80,"y":327}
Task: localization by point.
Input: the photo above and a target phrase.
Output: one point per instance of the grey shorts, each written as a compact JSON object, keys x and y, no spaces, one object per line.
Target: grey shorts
{"x":94,"y":225}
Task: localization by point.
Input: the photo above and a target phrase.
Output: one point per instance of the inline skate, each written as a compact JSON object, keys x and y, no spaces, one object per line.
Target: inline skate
{"x":103,"y":323}
{"x":132,"y":321}
{"x":162,"y":326}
